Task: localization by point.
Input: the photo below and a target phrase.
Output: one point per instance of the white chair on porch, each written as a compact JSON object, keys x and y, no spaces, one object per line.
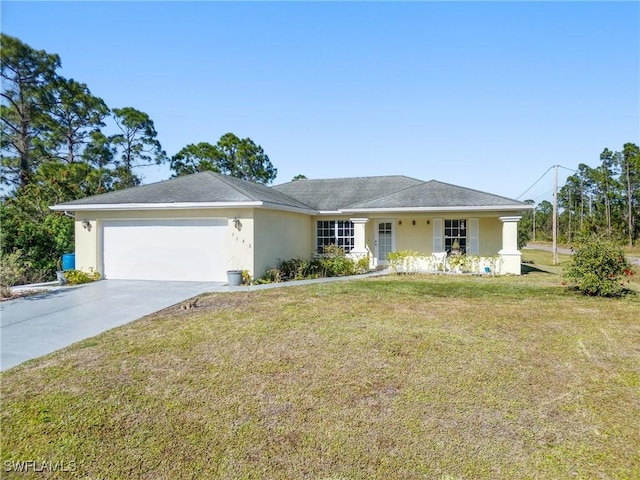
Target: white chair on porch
{"x":439,"y":261}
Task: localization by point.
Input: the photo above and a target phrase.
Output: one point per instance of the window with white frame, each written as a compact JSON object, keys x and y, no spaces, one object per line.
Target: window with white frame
{"x":455,"y":231}
{"x":336,"y":232}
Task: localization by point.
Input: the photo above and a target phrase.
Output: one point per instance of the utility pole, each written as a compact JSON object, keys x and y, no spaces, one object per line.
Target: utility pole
{"x":555,"y":217}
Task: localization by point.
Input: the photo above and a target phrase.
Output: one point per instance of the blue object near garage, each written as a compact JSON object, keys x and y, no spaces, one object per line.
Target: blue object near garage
{"x":68,"y":261}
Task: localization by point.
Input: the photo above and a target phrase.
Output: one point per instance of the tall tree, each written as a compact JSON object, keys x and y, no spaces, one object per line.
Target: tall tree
{"x":606,"y":179}
{"x":196,"y":158}
{"x":630,"y":179}
{"x":137,"y":144}
{"x":26,"y":98}
{"x":571,"y":201}
{"x":242,"y":158}
{"x":526,"y":226}
{"x":99,"y":153}
{"x":75,"y":117}
{"x":233,"y":156}
{"x":544,"y":215}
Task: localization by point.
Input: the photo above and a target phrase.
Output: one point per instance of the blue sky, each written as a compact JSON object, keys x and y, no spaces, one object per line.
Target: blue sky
{"x":486,"y":95}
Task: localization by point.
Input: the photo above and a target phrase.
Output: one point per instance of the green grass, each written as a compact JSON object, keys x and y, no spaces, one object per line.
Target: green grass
{"x":402,"y":377}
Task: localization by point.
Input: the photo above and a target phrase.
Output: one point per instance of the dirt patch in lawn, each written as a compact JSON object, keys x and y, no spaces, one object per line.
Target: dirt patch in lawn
{"x":211,"y":303}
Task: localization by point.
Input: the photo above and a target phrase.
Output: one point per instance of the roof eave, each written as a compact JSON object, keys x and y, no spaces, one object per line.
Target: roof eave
{"x":152,"y":206}
{"x":460,"y":208}
{"x":287,"y":208}
{"x":178,"y":206}
{"x":330,"y":212}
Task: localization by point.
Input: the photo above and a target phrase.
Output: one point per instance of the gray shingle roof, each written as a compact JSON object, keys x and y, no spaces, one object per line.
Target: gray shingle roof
{"x":388,"y":192}
{"x":434,"y":194}
{"x":203,"y":187}
{"x":338,"y":193}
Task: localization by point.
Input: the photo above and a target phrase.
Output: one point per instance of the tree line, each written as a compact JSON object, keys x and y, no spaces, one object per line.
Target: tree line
{"x":60,"y":142}
{"x":602,"y":200}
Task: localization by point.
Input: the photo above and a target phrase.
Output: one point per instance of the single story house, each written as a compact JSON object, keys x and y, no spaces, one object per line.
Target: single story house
{"x":198,"y":226}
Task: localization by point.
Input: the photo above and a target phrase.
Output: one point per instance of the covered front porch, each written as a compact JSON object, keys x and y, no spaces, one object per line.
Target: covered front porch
{"x":454,"y":243}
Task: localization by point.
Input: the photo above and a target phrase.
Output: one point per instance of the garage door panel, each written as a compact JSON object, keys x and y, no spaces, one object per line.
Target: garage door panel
{"x":189,"y":250}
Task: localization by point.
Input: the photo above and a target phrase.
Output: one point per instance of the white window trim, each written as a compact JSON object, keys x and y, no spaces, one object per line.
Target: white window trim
{"x":445,"y":237}
{"x":336,"y":226}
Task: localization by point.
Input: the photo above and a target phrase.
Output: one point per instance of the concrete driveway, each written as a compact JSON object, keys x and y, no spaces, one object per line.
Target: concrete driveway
{"x":39,"y":324}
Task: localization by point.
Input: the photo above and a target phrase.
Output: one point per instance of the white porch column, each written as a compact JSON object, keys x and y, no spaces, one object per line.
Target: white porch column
{"x":360,"y":238}
{"x":509,"y":254}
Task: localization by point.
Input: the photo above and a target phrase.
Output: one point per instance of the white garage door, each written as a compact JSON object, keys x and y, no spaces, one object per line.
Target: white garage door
{"x":189,"y":250}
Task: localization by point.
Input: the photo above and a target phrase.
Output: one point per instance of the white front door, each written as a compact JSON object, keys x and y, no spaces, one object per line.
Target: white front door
{"x":385,"y":240}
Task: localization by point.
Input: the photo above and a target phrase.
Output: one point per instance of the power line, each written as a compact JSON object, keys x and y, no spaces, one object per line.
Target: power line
{"x":542,"y":195}
{"x":536,"y":182}
{"x":566,"y":168}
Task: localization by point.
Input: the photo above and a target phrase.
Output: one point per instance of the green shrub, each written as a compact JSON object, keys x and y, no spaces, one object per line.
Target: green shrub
{"x":334,"y":262}
{"x":12,"y":272}
{"x":298,"y":269}
{"x":404,"y":261}
{"x":362,"y":265}
{"x":77,"y":277}
{"x":271,"y":275}
{"x":17,"y":269}
{"x":598,"y":268}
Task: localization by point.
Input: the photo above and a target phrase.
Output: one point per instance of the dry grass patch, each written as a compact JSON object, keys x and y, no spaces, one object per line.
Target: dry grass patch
{"x":395,"y":377}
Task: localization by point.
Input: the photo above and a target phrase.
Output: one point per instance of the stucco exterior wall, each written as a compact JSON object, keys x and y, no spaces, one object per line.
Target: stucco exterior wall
{"x":87,"y":247}
{"x":280,"y":236}
{"x":418,"y":237}
{"x":241,"y":246}
{"x":262,"y":236}
{"x":490,"y":236}
{"x":239,"y":243}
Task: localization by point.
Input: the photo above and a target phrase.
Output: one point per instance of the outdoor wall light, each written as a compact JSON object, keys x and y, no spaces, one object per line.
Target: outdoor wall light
{"x":237,"y":223}
{"x":86,"y":224}
{"x":399,"y":222}
{"x":414,"y":222}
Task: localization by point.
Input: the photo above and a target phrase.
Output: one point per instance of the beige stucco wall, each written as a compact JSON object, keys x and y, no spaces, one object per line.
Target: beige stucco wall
{"x":490,"y":236}
{"x":408,"y":236}
{"x":419,"y":237}
{"x":281,"y":236}
{"x":240,"y":245}
{"x":86,"y":245}
{"x":264,"y":236}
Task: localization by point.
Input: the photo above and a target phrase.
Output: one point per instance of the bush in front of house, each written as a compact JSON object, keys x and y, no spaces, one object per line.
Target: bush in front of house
{"x":12,"y":272}
{"x":333,"y":262}
{"x":298,"y":269}
{"x":77,"y":277}
{"x":405,"y":261}
{"x":598,"y":268}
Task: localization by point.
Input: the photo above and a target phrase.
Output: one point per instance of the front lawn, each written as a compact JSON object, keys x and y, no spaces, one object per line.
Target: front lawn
{"x":399,"y":377}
